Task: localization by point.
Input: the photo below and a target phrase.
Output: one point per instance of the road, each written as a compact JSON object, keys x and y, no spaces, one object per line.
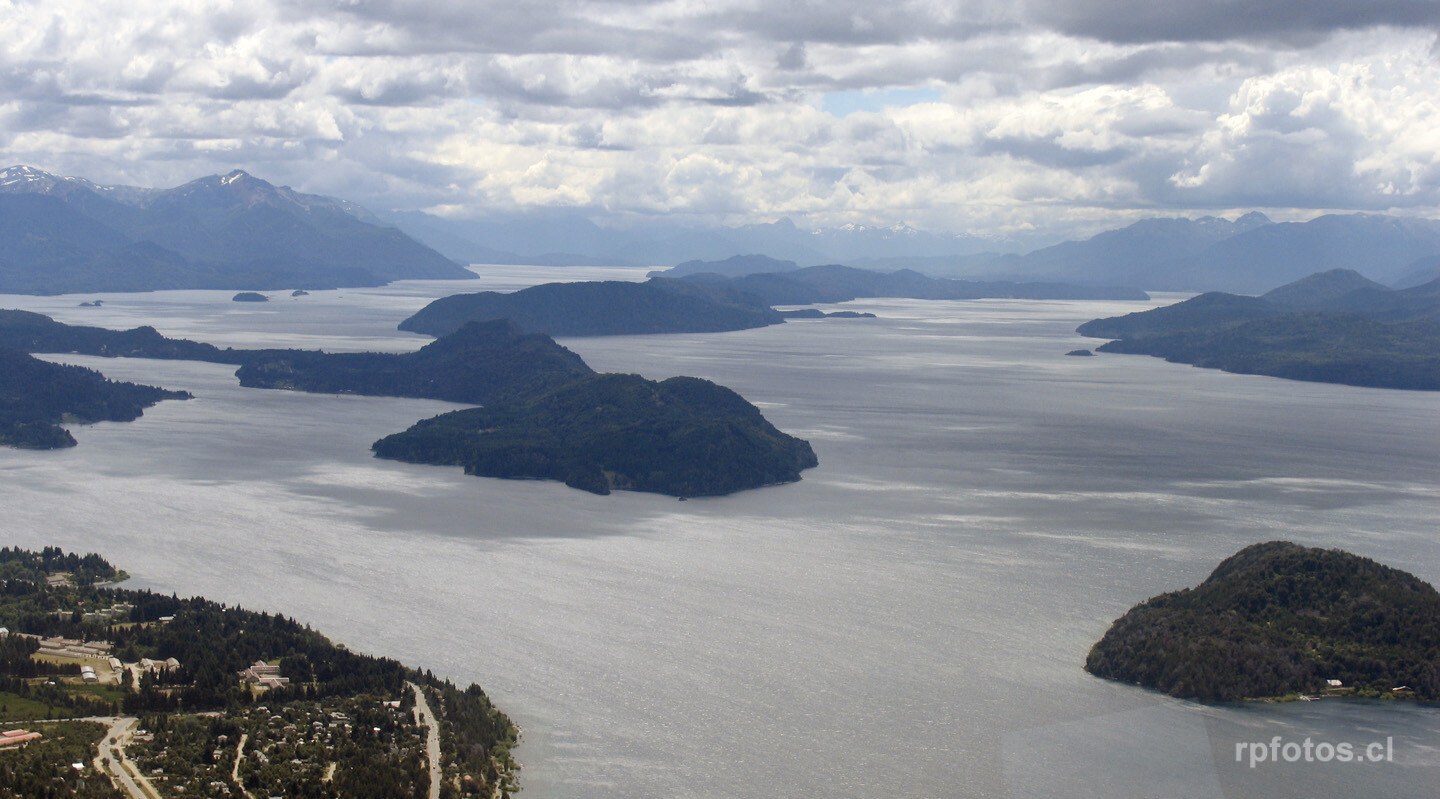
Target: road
{"x":235,"y":769}
{"x":110,"y":758}
{"x":425,"y":716}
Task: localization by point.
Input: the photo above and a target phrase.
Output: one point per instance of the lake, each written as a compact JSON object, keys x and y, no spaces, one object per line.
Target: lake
{"x":909,"y":620}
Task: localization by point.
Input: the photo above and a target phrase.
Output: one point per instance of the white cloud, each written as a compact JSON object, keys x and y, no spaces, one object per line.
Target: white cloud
{"x":1048,"y":113}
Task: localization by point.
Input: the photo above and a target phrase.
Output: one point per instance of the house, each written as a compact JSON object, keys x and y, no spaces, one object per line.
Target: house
{"x":1334,"y":683}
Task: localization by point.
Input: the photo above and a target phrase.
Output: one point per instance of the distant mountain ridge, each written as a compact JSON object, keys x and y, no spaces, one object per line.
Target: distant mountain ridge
{"x":836,"y":283}
{"x":570,"y":239}
{"x":233,"y":231}
{"x":1245,"y":255}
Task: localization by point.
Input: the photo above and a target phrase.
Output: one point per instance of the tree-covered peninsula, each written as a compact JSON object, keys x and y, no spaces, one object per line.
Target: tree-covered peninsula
{"x":478,"y":363}
{"x":683,"y":437}
{"x":1279,"y":619}
{"x":210,"y":700}
{"x":37,"y":396}
{"x":1332,"y":327}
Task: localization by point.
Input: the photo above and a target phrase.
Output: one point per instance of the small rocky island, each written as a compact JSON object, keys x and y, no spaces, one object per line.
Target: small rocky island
{"x":250,"y":296}
{"x":1279,"y":619}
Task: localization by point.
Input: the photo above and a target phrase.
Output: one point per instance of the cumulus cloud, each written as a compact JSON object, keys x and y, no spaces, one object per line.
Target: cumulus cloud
{"x":1011,"y":115}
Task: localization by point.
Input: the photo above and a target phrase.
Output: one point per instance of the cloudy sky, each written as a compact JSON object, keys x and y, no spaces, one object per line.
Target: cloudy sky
{"x":965,"y":116}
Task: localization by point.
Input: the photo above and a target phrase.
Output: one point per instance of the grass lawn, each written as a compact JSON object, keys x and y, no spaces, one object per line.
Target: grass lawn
{"x":19,"y":708}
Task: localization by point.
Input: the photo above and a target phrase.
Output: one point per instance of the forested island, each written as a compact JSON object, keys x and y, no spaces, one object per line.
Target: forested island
{"x":37,"y":396}
{"x":1278,"y":619}
{"x":703,"y":302}
{"x":600,"y":308}
{"x":1332,"y":327}
{"x":683,"y":436}
{"x":547,"y":416}
{"x":201,"y":694}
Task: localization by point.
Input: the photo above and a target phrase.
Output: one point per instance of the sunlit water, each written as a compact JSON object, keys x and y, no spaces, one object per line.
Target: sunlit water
{"x":909,"y":620}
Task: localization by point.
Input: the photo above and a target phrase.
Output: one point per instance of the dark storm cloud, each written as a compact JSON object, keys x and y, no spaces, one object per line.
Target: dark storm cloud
{"x":1137,"y":21}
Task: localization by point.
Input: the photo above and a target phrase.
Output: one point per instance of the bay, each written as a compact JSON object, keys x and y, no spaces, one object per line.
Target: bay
{"x":909,"y":620}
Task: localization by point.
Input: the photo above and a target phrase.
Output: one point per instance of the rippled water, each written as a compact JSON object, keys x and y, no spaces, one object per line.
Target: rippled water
{"x":909,"y":620}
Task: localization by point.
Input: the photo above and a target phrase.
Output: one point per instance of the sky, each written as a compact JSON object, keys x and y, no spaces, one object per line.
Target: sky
{"x":973,"y":116}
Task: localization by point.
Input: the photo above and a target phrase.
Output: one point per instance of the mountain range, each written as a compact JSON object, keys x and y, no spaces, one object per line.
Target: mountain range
{"x":1245,"y":255}
{"x":234,"y":231}
{"x":571,"y":239}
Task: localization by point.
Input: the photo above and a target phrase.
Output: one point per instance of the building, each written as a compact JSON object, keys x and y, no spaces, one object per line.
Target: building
{"x":157,"y":666}
{"x":17,"y":738}
{"x":263,"y":675}
{"x":74,"y":648}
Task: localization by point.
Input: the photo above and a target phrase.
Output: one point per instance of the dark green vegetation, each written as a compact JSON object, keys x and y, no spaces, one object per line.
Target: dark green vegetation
{"x":844,"y":283}
{"x":249,"y":296}
{"x":478,"y":363}
{"x":41,"y":770}
{"x":600,"y":308}
{"x":1277,"y":619}
{"x":37,"y":396}
{"x":683,"y":436}
{"x":377,"y":752}
{"x":32,"y":332}
{"x":1332,"y":327}
{"x":530,"y":380}
{"x":27,"y":566}
{"x":212,"y":642}
{"x":61,"y":235}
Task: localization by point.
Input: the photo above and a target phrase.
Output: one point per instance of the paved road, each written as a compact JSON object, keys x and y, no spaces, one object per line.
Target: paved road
{"x":112,"y":750}
{"x":424,"y":715}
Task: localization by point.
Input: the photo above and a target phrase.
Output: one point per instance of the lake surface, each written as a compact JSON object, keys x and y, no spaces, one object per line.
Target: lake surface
{"x":909,"y":620}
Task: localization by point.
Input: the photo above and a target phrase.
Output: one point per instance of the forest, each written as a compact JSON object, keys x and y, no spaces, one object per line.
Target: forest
{"x":1279,"y":619}
{"x":1331,"y":327}
{"x":37,"y":396}
{"x":683,"y":437}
